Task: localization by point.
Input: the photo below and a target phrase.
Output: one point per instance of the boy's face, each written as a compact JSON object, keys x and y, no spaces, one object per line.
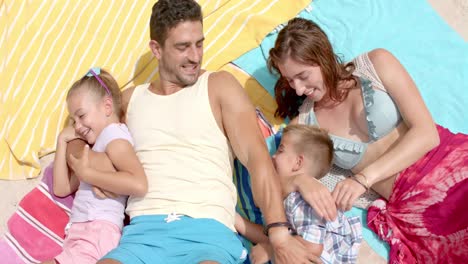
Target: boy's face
{"x":286,"y":160}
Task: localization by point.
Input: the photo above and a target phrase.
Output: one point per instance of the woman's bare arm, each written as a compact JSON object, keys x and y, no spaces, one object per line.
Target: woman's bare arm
{"x":422,"y":134}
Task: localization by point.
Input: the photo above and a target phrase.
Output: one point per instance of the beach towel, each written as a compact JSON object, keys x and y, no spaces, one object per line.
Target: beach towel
{"x":37,"y":229}
{"x":424,"y":222}
{"x":434,"y":54}
{"x":46,"y":45}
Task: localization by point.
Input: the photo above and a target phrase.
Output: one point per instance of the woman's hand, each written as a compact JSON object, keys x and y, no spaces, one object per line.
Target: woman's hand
{"x":318,"y":196}
{"x":346,"y":192}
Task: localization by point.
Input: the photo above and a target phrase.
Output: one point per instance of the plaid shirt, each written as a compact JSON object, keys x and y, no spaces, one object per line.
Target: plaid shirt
{"x":340,"y":238}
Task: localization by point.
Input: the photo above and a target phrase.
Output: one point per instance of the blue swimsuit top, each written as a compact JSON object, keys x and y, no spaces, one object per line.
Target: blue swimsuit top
{"x":381,"y":112}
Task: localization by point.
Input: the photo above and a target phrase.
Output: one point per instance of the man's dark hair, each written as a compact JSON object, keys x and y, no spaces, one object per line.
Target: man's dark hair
{"x":168,"y":13}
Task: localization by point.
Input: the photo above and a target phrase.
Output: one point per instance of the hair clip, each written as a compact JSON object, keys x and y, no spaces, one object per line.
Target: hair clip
{"x":95,"y":71}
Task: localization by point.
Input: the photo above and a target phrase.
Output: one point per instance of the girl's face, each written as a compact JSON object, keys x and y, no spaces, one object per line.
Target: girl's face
{"x":285,"y":161}
{"x":304,"y":79}
{"x":89,"y":115}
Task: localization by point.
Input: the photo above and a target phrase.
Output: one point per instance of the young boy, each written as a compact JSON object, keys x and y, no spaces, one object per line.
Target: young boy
{"x":305,"y":153}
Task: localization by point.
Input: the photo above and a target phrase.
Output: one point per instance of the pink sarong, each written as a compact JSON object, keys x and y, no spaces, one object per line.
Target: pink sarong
{"x":426,"y":217}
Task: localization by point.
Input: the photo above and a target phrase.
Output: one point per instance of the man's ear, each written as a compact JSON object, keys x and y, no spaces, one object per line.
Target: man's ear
{"x":299,"y":163}
{"x":155,"y":48}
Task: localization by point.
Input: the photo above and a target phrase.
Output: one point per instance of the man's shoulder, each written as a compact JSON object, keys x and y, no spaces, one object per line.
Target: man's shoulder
{"x":221,"y":77}
{"x":223,"y":83}
{"x":127,"y":93}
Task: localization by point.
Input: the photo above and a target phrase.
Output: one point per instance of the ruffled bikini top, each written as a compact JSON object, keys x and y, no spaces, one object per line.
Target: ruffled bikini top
{"x":381,"y":112}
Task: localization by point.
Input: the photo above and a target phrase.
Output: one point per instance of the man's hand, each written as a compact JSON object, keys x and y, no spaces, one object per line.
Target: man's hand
{"x":80,"y":166}
{"x":289,"y":250}
{"x":103,"y":194}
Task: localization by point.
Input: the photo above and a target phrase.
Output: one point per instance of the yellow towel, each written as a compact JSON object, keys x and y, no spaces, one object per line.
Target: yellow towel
{"x":46,"y":45}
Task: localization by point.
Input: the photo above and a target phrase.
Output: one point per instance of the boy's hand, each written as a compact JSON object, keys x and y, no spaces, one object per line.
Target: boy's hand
{"x":259,"y":253}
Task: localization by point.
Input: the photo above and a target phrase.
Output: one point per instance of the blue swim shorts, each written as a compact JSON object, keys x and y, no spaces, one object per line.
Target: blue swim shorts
{"x":180,"y":239}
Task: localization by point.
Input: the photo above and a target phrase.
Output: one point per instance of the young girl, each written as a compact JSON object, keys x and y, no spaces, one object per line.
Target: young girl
{"x":306,"y":151}
{"x":95,"y":224}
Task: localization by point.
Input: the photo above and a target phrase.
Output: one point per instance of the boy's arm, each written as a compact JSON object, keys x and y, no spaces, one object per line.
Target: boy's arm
{"x":253,"y":232}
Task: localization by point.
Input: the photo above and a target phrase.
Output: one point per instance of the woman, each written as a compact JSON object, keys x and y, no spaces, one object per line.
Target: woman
{"x":383,"y":132}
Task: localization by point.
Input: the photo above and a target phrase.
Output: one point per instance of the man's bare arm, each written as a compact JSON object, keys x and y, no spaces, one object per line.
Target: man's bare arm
{"x":97,"y":160}
{"x":233,"y":107}
{"x":240,"y":125}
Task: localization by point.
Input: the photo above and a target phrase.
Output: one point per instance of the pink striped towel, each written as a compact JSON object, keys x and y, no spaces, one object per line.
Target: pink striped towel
{"x":37,"y":229}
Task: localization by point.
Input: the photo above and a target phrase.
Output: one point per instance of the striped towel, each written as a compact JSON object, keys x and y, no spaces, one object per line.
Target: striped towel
{"x":46,"y":45}
{"x":37,"y":228}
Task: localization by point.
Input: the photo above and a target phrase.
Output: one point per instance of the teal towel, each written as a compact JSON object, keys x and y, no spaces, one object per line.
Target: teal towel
{"x":433,"y":53}
{"x":380,"y":247}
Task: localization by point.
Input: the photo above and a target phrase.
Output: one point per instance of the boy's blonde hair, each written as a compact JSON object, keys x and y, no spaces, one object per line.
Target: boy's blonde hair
{"x":315,"y":144}
{"x":91,"y":84}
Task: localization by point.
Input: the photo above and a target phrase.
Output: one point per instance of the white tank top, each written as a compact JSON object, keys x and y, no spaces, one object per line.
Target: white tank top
{"x":186,"y":157}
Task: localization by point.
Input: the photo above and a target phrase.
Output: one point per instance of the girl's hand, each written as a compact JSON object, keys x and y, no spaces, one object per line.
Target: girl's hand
{"x":346,"y":192}
{"x":259,"y":253}
{"x":318,"y":196}
{"x":68,"y":134}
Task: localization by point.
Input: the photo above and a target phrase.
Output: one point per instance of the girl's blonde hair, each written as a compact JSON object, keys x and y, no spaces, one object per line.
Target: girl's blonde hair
{"x":92,"y":84}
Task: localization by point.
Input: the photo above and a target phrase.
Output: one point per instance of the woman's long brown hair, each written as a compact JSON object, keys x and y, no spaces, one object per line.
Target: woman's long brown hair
{"x":304,"y":41}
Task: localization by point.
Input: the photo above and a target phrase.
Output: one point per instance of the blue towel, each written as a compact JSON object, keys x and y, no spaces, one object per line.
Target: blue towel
{"x":433,"y":53}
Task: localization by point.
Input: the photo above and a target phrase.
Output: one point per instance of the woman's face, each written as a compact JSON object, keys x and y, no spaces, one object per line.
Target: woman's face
{"x":304,"y":79}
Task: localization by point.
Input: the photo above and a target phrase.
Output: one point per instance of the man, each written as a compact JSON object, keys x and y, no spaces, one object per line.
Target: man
{"x":185,"y":125}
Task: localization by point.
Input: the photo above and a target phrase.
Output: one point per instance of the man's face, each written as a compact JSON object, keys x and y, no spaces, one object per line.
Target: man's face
{"x":181,"y":56}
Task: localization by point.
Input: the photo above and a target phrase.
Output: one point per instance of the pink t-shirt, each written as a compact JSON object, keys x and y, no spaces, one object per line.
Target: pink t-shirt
{"x":86,"y":205}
